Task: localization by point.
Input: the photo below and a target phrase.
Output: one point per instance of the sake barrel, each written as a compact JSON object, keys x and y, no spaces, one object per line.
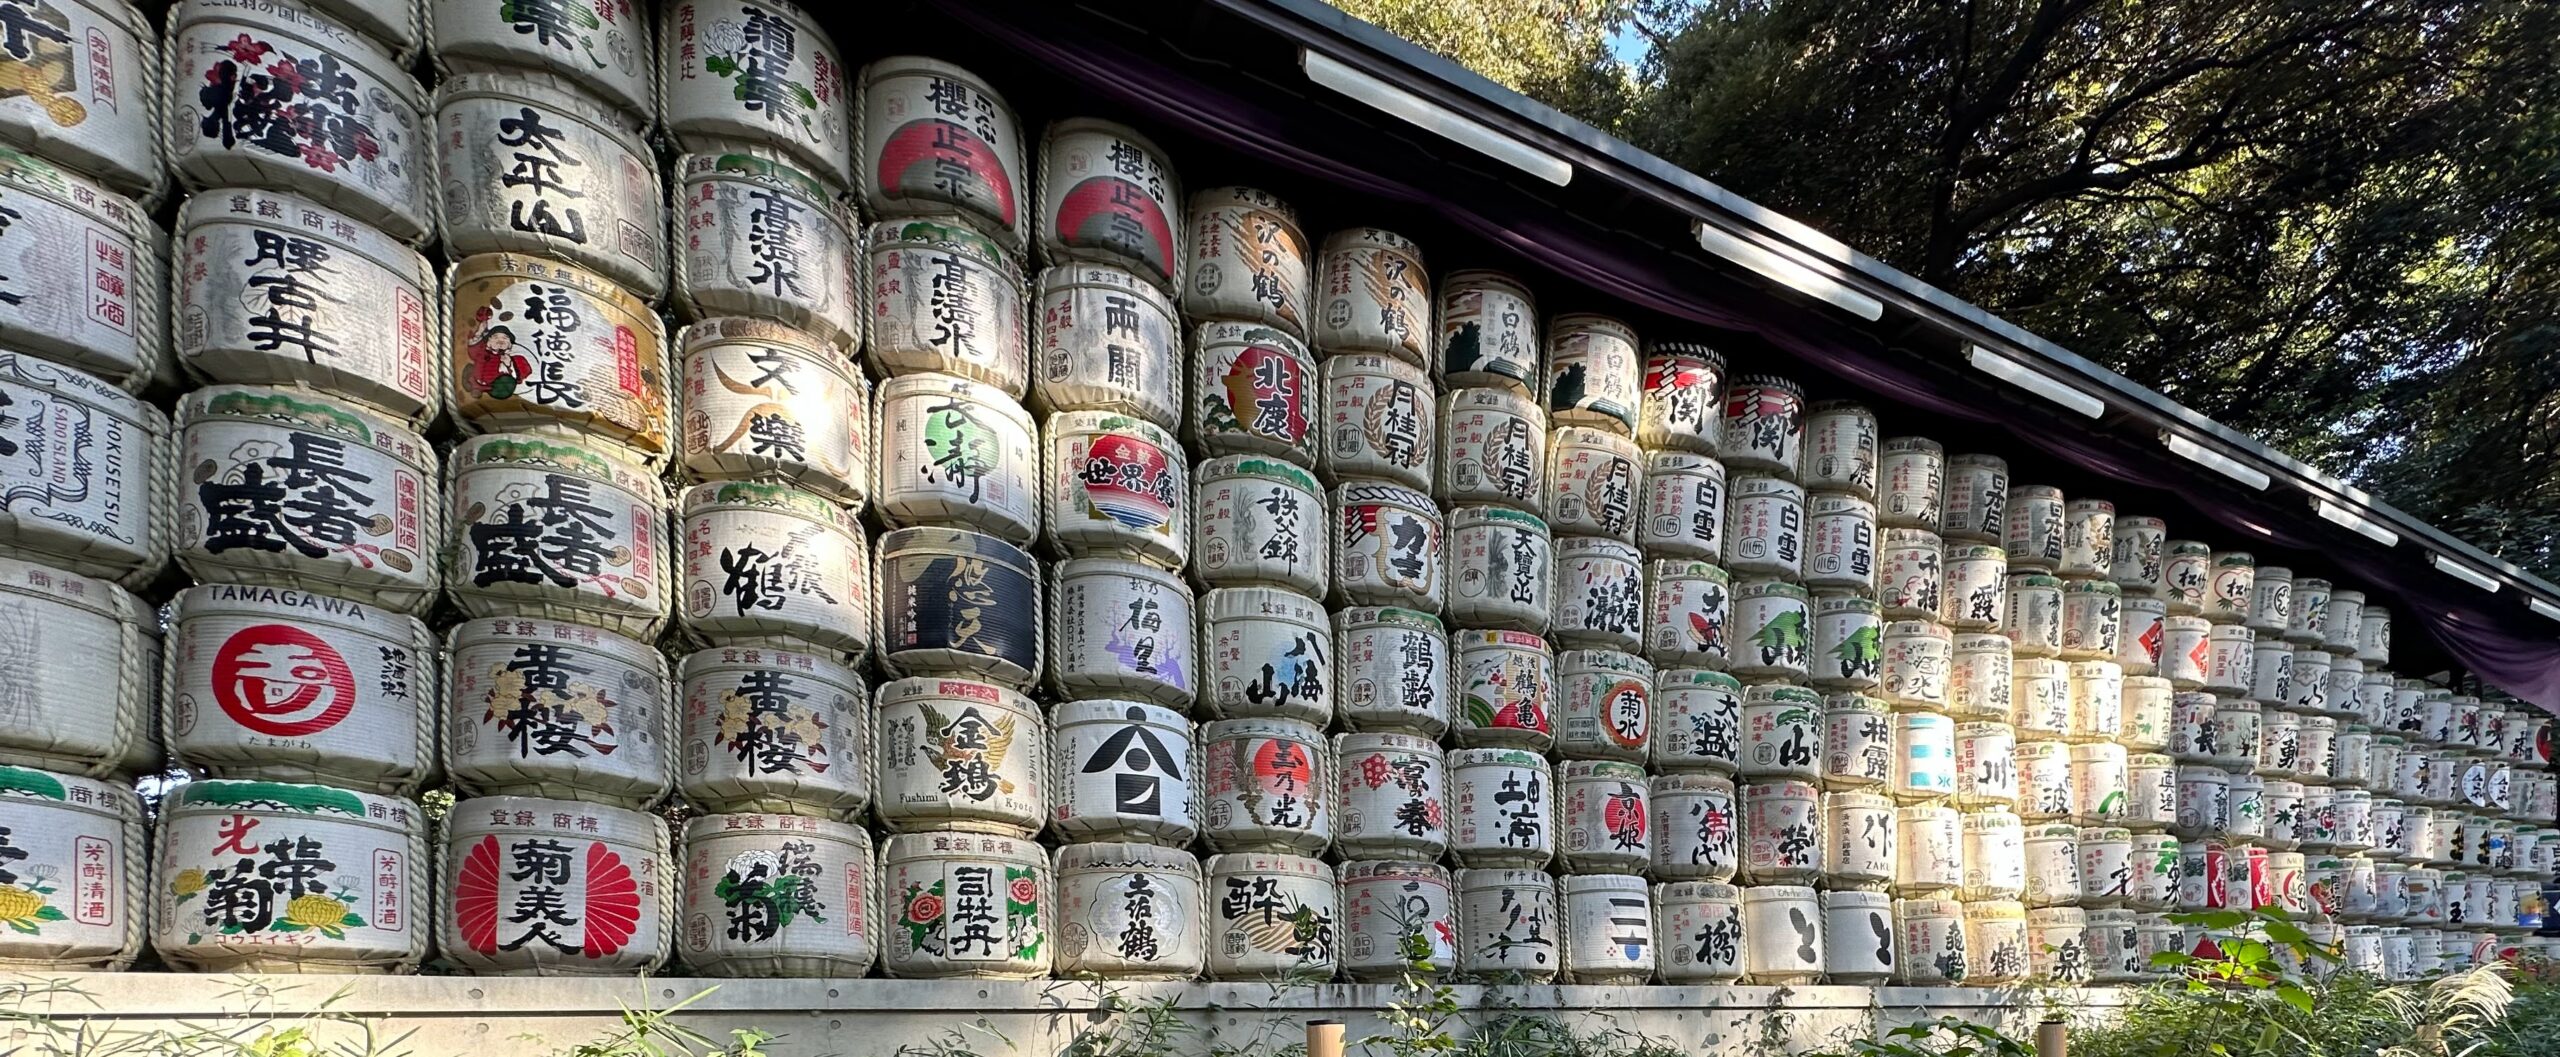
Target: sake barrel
{"x":1781,"y":935}
{"x":2149,"y":705}
{"x":775,"y":731}
{"x":957,"y":452}
{"x":1600,"y":595}
{"x":2230,"y":649}
{"x":1606,"y":825}
{"x":1847,"y":651}
{"x":276,"y":289}
{"x":764,"y":401}
{"x":2311,"y":667}
{"x":1116,"y":487}
{"x":1397,"y":914}
{"x":1996,"y":933}
{"x":1682,"y":515}
{"x":1918,"y":657}
{"x":1122,"y":771}
{"x":2097,"y":701}
{"x":1247,"y":260}
{"x":957,"y":754}
{"x":1763,"y":426}
{"x":1269,"y":652}
{"x":778,"y":896}
{"x":1508,"y":924}
{"x":81,"y":688}
{"x":295,"y":490}
{"x":2098,"y":783}
{"x":2306,"y":616}
{"x":1912,"y":483}
{"x":2140,"y":551}
{"x":1503,"y":808}
{"x":1697,"y":721}
{"x":539,"y":344}
{"x":529,"y":167}
{"x":1255,"y":517}
{"x":2041,"y":690}
{"x":1604,"y":705}
{"x":1488,"y":332}
{"x":2280,"y":744}
{"x":1924,"y":757}
{"x":1379,"y":421}
{"x":2092,"y":619}
{"x":1858,"y":929}
{"x":772,"y":565}
{"x":77,"y":872}
{"x":946,"y":300}
{"x":89,"y":467}
{"x":961,"y":603}
{"x":2231,"y":581}
{"x":1840,"y":449}
{"x":1392,"y":671}
{"x":95,"y":127}
{"x":604,"y":53}
{"x":1683,"y":392}
{"x":1978,"y":686}
{"x":1266,"y":786}
{"x":1377,"y":296}
{"x":1698,"y":931}
{"x":1781,"y":831}
{"x":1493,"y":450}
{"x":1977,"y":502}
{"x":2332,"y":753}
{"x":2187,"y":572}
{"x":549,"y":528}
{"x":937,"y":140}
{"x":1782,"y":729}
{"x":2153,"y":862}
{"x":2033,"y":614}
{"x":2343,"y":623}
{"x":1387,"y":547}
{"x":1929,"y":942}
{"x":1986,"y":764}
{"x":1506,"y":690}
{"x":2044,"y":781}
{"x":1993,"y":862}
{"x":2204,"y":802}
{"x":1592,"y":484}
{"x":2058,"y":944}
{"x":1272,"y":915}
{"x":1764,"y":530}
{"x":2186,"y":651}
{"x":233,"y":125}
{"x":1594,"y":373}
{"x":1912,"y":574}
{"x":272,"y":683}
{"x":1393,"y":796}
{"x":759,"y":72}
{"x":1689,"y":605}
{"x":2089,"y":539}
{"x":2239,"y":727}
{"x":1107,"y":342}
{"x":2143,"y":625}
{"x":2270,"y":610}
{"x":1125,"y":629}
{"x":2035,"y":527}
{"x":2373,"y":635}
{"x":1858,"y":841}
{"x":1696,"y":824}
{"x":270,"y":877}
{"x":1501,"y":569}
{"x":764,"y":238}
{"x":967,"y":905}
{"x":546,"y":708}
{"x":1130,"y":912}
{"x":1838,"y":543}
{"x":1857,"y":742}
{"x":1770,"y":639}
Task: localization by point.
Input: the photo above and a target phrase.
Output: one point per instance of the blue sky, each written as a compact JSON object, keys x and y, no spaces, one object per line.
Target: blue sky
{"x":1628,"y":45}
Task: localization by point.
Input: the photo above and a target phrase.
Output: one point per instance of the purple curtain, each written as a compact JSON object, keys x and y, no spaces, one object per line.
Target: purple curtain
{"x":2516,"y":655}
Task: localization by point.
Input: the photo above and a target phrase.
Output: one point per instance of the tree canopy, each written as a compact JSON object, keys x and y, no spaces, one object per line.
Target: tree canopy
{"x":2332,"y":223}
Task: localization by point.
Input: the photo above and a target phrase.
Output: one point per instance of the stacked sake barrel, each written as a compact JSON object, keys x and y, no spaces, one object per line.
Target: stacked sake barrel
{"x":560,"y":727}
{"x":309,"y":509}
{"x":83,"y":313}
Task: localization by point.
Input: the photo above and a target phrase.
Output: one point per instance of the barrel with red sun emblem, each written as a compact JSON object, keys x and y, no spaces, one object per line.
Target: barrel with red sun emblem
{"x":1254,"y":392}
{"x":1273,"y":916}
{"x":1118,"y":487}
{"x":1397,"y":913}
{"x":775,"y":730}
{"x":278,"y":684}
{"x":778,"y":895}
{"x":1248,"y":260}
{"x":1107,"y":194}
{"x":76,"y":654}
{"x":541,"y":345}
{"x":763,"y":401}
{"x":1506,"y":689}
{"x":266,"y":877}
{"x":1266,"y":785}
{"x":544,"y":708}
{"x":967,"y":905}
{"x":537,"y":887}
{"x":936,"y":139}
{"x":546,"y":527}
{"x":74,"y":896}
{"x":1130,"y":912}
{"x":1607,"y":826}
{"x":762,"y":238}
{"x":289,"y":489}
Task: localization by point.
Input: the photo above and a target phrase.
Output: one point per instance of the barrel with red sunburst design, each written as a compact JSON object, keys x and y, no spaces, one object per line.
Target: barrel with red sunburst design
{"x":539,"y":887}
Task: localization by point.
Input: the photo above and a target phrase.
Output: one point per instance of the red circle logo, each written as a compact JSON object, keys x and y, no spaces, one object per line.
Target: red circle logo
{"x":281,"y":680}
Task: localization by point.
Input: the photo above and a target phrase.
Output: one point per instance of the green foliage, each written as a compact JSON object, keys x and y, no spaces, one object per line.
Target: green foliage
{"x":1943,"y":1037}
{"x":655,"y":1033}
{"x":1556,"y":51}
{"x":2531,"y":1027}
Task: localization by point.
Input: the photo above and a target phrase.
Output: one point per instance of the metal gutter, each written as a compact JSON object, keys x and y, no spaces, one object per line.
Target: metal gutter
{"x":1319,"y":26}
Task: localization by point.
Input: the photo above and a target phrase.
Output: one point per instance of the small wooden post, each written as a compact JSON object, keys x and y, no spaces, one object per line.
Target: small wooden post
{"x":1324,"y":1038}
{"x":2052,"y":1040}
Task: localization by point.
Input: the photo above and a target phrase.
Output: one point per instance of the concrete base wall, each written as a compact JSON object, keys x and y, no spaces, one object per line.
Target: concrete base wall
{"x":168,"y":1015}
